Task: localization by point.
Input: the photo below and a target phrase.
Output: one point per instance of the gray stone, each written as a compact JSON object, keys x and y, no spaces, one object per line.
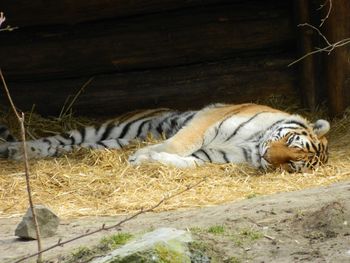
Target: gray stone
{"x":48,"y":223}
{"x":160,"y":245}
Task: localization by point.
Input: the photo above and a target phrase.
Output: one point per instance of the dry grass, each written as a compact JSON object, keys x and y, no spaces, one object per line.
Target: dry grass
{"x":89,"y":183}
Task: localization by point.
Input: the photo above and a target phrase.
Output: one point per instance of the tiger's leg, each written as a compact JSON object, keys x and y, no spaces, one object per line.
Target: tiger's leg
{"x":187,"y":140}
{"x":171,"y":159}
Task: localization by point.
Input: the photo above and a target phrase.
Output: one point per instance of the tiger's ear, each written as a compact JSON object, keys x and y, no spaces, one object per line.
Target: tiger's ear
{"x":321,"y":128}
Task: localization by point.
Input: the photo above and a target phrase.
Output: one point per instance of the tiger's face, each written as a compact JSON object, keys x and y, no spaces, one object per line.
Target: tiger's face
{"x":297,"y":147}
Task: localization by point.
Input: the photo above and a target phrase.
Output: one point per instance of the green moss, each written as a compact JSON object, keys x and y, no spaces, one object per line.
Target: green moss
{"x":198,"y":245}
{"x":251,"y":234}
{"x":175,"y":253}
{"x":162,"y":253}
{"x":245,"y":235}
{"x":196,"y":230}
{"x":80,"y":254}
{"x":233,"y":260}
{"x":116,"y":240}
{"x":140,"y":257}
{"x":216,"y":230}
{"x":237,"y":240}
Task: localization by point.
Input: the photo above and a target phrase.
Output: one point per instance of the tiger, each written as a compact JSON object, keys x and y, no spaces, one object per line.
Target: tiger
{"x":261,"y":136}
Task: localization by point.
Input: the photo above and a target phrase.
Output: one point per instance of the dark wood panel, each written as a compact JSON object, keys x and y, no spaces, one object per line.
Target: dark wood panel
{"x":154,"y":41}
{"x":234,"y":81}
{"x":337,"y":27}
{"x":24,"y":13}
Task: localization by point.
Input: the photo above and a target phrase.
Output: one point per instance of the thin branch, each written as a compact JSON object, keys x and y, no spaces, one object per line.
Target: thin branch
{"x":2,"y":18}
{"x":64,"y":110}
{"x":8,"y":28}
{"x":61,"y":243}
{"x":328,"y":48}
{"x":26,"y":164}
{"x":317,"y":30}
{"x":328,"y":12}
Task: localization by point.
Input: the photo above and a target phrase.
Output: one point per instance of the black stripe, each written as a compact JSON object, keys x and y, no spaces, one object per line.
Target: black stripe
{"x":247,"y":154}
{"x":261,"y":133}
{"x":172,"y":118}
{"x":217,"y":130}
{"x":107,"y":131}
{"x":188,"y":118}
{"x":127,"y":126}
{"x":46,"y":140}
{"x":307,"y":146}
{"x":243,"y":124}
{"x":61,"y":142}
{"x":67,"y":136}
{"x":139,"y":130}
{"x":83,"y":134}
{"x":102,"y":144}
{"x":313,"y":146}
{"x":297,"y":123}
{"x":119,"y":143}
{"x":206,"y":155}
{"x":224,"y":156}
{"x":159,"y":128}
{"x":196,"y":156}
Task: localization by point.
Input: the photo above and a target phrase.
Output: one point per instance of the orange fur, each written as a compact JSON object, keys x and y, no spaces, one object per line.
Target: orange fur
{"x":190,"y":138}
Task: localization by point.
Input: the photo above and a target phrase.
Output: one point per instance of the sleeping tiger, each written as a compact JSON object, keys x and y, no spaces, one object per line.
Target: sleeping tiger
{"x":259,"y":135}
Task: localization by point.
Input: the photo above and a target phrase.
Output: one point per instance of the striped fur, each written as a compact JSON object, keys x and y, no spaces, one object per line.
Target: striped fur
{"x":246,"y":133}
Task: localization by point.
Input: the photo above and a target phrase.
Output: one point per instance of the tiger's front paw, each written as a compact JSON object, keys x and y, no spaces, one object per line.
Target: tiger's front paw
{"x":141,"y":156}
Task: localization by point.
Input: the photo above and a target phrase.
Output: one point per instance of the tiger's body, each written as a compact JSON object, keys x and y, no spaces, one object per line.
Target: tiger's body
{"x":246,"y":133}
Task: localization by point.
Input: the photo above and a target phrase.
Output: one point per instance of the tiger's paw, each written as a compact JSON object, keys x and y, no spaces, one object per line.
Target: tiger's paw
{"x":143,"y":155}
{"x":138,"y":158}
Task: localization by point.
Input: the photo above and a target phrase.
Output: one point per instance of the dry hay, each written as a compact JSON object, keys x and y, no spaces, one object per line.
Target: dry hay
{"x":96,"y":183}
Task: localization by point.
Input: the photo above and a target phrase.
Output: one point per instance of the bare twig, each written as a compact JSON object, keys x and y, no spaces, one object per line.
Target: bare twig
{"x":65,"y":110}
{"x":328,"y":48}
{"x":329,"y":2}
{"x":8,"y":28}
{"x":2,"y":18}
{"x":61,"y":243}
{"x":26,"y":164}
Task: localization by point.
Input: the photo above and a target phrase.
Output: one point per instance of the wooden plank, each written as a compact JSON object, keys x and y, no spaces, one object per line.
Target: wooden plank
{"x":26,"y":13}
{"x":337,"y":27}
{"x":233,"y":81}
{"x":307,"y":68}
{"x":145,"y":42}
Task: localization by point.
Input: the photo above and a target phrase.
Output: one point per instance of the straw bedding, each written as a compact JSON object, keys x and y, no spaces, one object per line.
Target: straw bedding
{"x":98,"y":183}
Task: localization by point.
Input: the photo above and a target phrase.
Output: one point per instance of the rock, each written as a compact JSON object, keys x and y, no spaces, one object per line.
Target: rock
{"x":48,"y":223}
{"x":160,"y":245}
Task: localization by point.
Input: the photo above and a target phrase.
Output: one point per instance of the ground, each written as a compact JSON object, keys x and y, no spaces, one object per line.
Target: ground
{"x":303,"y":226}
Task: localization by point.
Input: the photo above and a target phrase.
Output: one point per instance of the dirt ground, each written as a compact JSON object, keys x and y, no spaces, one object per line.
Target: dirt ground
{"x":305,"y":226}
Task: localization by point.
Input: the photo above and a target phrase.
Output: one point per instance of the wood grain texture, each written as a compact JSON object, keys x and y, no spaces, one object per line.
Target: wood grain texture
{"x":26,"y":13}
{"x":184,"y":87}
{"x":208,"y":33}
{"x":337,"y":27}
{"x":309,"y":89}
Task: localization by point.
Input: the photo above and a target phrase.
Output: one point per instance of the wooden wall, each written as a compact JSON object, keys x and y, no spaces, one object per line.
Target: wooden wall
{"x":141,"y":54}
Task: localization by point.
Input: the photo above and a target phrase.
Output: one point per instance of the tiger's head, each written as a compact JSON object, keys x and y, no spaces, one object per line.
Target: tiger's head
{"x":296,"y":146}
